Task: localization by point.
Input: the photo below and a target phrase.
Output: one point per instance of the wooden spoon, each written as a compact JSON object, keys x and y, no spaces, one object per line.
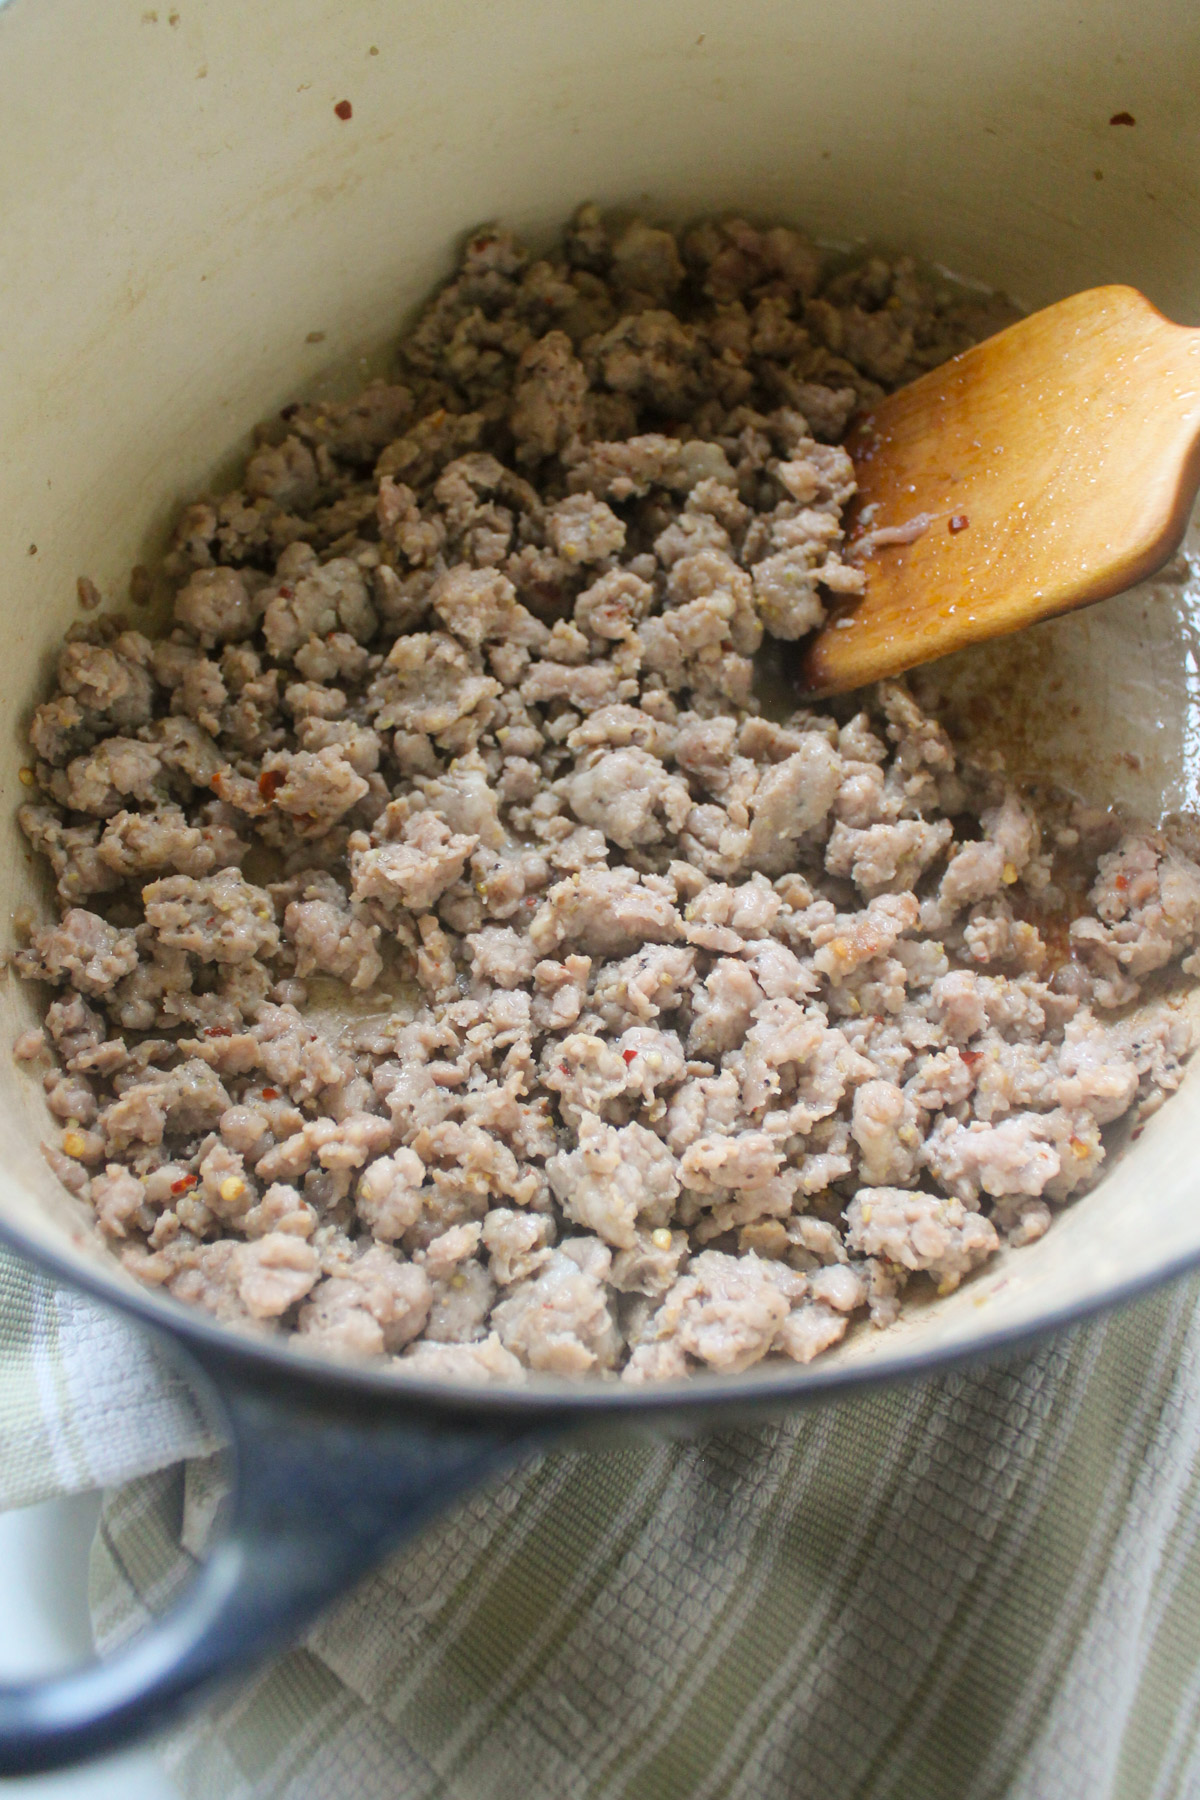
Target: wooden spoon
{"x":1048,"y":467}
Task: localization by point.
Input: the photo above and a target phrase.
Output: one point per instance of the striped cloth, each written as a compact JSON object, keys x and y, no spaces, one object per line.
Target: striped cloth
{"x":984,"y":1585}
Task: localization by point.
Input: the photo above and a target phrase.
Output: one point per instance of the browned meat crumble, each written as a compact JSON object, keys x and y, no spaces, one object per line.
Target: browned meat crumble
{"x":684,"y":1034}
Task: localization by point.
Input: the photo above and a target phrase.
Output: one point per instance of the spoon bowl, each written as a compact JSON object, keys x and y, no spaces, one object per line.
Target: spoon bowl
{"x":1051,"y":466}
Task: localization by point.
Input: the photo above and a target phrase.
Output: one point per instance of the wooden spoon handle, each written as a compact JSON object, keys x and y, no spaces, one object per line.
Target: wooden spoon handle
{"x":1055,"y":464}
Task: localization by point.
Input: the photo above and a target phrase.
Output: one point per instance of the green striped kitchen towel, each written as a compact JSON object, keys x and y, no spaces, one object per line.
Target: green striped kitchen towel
{"x":983,"y":1585}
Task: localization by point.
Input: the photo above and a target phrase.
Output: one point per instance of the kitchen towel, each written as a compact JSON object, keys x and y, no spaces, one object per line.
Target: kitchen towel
{"x":986,"y":1584}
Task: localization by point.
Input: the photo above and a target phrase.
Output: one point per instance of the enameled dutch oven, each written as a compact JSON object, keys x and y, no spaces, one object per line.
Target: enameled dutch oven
{"x":184,"y":207}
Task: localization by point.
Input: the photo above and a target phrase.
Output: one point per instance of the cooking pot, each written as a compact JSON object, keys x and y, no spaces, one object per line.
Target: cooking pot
{"x":211,"y":208}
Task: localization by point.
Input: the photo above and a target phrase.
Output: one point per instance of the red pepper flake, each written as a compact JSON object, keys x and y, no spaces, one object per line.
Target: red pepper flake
{"x":183,"y":1184}
{"x":269,"y":783}
{"x":563,"y":1069}
{"x":1121,"y":882}
{"x":217,"y":1031}
{"x":270,"y":1093}
{"x":215,"y":782}
{"x":971,"y":1057}
{"x":1123,"y":118}
{"x":629,"y":1056}
{"x":959,"y":521}
{"x":344,"y":110}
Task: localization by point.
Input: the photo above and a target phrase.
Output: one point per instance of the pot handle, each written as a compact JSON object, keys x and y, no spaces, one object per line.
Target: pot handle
{"x":324,"y":1485}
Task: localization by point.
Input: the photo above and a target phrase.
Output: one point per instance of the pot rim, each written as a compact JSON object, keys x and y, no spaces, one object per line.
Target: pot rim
{"x":547,"y":1397}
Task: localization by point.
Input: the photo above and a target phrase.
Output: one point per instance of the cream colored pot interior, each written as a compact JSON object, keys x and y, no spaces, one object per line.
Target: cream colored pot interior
{"x":182,"y":211}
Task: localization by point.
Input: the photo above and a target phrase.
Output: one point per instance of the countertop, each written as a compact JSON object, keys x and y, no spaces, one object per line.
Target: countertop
{"x":44,"y":1625}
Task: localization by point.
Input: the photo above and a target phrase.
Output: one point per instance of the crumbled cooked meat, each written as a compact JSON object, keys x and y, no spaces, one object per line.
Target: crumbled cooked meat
{"x":615,"y":1180}
{"x":518,"y":1244}
{"x":372,"y":1303}
{"x":134,"y":844}
{"x":997,"y":860}
{"x":882,"y":858}
{"x":314,"y":788}
{"x":886,"y":1127}
{"x":100,"y":782}
{"x":1147,"y":904}
{"x":607,"y":912}
{"x":415,"y":872}
{"x":221,"y":918}
{"x":920,"y":1231}
{"x":651,"y":1264}
{"x":216,"y":606}
{"x":561,"y":1320}
{"x":681,"y":1036}
{"x":119,"y":1199}
{"x":273,"y":1272}
{"x":630,"y":797}
{"x":549,"y":393}
{"x":501,"y":955}
{"x":83,"y":949}
{"x":329,"y":935}
{"x":726,"y":1311}
{"x":389,"y":1198}
{"x":314,"y":600}
{"x":583,"y":530}
{"x":430,"y":685}
{"x":1026,"y":1153}
{"x":473,"y":1364}
{"x":481,"y":604}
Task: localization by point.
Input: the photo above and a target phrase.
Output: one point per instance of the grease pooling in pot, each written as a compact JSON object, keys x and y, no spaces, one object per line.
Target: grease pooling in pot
{"x":696,"y":1034}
